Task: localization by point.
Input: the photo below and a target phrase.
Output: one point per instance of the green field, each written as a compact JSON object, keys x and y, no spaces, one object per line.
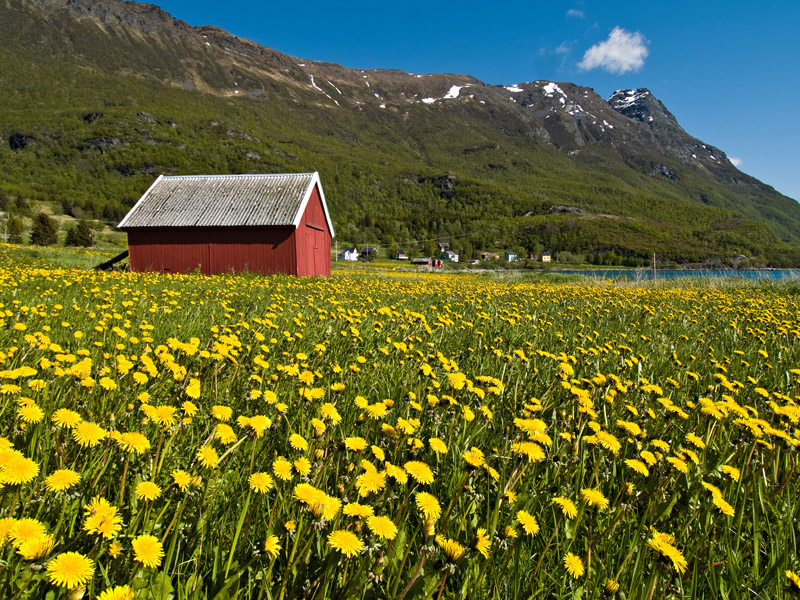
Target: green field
{"x":381,"y":434}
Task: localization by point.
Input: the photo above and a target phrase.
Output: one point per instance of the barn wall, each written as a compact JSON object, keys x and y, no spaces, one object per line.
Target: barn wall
{"x":313,"y":239}
{"x":262,"y":250}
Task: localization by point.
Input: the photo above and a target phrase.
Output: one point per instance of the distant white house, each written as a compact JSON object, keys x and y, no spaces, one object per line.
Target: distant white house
{"x":450,"y":256}
{"x":511,"y":256}
{"x":546,"y":257}
{"x":349,"y":254}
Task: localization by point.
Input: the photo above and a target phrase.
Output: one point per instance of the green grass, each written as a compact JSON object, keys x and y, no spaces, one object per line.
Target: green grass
{"x":592,"y":376}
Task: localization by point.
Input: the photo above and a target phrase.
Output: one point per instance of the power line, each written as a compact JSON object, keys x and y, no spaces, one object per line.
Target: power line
{"x":444,"y":237}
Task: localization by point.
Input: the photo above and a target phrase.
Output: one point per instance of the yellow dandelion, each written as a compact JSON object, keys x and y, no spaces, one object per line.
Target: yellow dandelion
{"x":370,"y":482}
{"x":224,"y":433}
{"x":794,"y":581}
{"x":272,"y":546}
{"x":345,"y":542}
{"x":16,"y":469}
{"x":483,"y":543}
{"x":298,"y":442}
{"x":70,"y":570}
{"x":61,"y":480}
{"x":260,"y":483}
{"x":450,"y":547}
{"x":383,"y":527}
{"x":182,"y":479}
{"x":134,"y":442}
{"x":65,"y":418}
{"x":147,"y":550}
{"x":88,"y":435}
{"x":428,"y":505}
{"x":474,"y":457}
{"x":419,"y":471}
{"x":282,"y":468}
{"x":120,"y":592}
{"x":30,"y":413}
{"x":355,"y":443}
{"x":594,"y":497}
{"x":208,"y":457}
{"x":37,"y":548}
{"x":664,"y":544}
{"x":723,"y":506}
{"x":24,"y":529}
{"x":222,"y":413}
{"x":638,"y":466}
{"x":102,"y":518}
{"x":354,"y":509}
{"x":567,"y":506}
{"x":528,"y":522}
{"x":148,"y":491}
{"x":574,"y":565}
{"x":329,"y":413}
{"x":437,"y":445}
{"x":164,"y":415}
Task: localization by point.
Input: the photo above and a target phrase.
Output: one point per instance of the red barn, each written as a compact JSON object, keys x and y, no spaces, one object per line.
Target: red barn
{"x":223,"y":223}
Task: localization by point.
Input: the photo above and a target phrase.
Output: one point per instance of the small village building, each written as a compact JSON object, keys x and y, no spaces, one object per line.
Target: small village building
{"x":450,"y":256}
{"x":490,"y":256}
{"x":349,"y":254}
{"x":401,"y":255}
{"x":511,"y":256}
{"x":369,"y":253}
{"x":231,"y":223}
{"x":545,"y":257}
{"x":427,"y":262}
{"x":443,"y":246}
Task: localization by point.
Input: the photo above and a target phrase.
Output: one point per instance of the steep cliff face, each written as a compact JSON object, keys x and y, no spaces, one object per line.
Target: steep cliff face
{"x":80,"y":75}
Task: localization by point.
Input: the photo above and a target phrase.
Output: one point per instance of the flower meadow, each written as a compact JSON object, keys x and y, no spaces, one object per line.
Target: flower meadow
{"x":393,"y":435}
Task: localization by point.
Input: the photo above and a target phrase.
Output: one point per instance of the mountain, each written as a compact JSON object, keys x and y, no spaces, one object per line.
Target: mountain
{"x":100,"y":96}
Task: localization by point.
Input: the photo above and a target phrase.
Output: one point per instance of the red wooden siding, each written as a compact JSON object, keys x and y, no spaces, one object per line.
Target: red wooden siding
{"x":313,"y":239}
{"x":303,"y":251}
{"x":261,"y":250}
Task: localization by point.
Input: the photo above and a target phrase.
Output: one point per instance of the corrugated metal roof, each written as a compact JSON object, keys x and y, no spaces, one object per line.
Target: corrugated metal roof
{"x":221,"y":201}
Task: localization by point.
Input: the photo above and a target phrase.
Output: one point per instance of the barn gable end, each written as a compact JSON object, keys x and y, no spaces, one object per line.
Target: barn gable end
{"x":231,"y":223}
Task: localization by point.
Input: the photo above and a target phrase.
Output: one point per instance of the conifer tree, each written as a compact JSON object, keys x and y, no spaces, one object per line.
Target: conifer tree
{"x":44,"y":232}
{"x":14,"y":230}
{"x":80,"y":234}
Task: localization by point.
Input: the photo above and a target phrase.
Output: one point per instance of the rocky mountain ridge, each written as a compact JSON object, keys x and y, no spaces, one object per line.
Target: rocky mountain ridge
{"x":530,"y":145}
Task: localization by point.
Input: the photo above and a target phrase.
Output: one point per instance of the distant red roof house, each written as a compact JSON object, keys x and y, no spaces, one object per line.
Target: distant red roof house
{"x":231,"y":223}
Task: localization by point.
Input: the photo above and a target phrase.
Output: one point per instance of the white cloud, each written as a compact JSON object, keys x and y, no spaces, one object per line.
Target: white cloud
{"x":623,"y":51}
{"x":735,"y":161}
{"x":574,"y":12}
{"x":563,"y":48}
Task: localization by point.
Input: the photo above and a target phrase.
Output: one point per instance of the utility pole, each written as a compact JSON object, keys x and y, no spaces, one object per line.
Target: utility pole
{"x":655,"y":276}
{"x":4,"y":217}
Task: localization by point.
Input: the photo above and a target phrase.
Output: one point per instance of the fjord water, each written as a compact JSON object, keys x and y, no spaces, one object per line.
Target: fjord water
{"x":647,"y":274}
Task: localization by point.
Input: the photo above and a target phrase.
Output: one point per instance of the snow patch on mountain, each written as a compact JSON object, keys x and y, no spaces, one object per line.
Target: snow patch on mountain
{"x":453,"y":93}
{"x":550,"y":89}
{"x":621,"y":99}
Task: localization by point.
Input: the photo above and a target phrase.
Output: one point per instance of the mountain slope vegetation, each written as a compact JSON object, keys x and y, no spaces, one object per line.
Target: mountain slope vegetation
{"x":101,"y":96}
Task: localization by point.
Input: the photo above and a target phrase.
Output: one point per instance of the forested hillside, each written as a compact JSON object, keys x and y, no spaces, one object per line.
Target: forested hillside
{"x":100,"y":96}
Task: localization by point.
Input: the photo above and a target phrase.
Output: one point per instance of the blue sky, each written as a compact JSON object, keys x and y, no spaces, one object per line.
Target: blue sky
{"x":729,"y":71}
